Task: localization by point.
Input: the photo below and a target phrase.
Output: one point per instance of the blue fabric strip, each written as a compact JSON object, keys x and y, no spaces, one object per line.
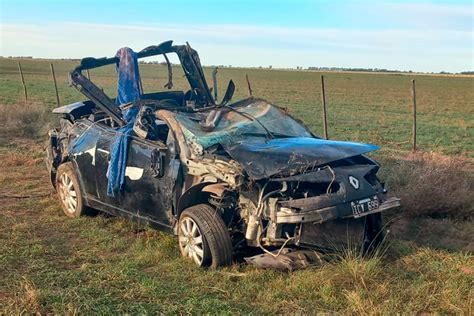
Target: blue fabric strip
{"x":128,"y":90}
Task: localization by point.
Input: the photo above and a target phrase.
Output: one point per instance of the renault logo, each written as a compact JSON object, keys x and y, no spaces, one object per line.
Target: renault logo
{"x":354,"y":182}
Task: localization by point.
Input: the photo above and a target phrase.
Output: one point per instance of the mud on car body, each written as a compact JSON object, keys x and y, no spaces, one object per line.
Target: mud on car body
{"x":219,"y":175}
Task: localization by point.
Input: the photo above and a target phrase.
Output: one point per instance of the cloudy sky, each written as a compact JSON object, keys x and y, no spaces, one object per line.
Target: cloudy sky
{"x":407,"y":35}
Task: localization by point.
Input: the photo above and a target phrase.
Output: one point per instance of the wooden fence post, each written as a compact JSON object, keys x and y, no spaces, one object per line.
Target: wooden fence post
{"x":88,"y":74}
{"x":413,"y":93}
{"x":248,"y":85}
{"x":55,"y":84}
{"x":23,"y":82}
{"x":323,"y":99}
{"x":214,"y":82}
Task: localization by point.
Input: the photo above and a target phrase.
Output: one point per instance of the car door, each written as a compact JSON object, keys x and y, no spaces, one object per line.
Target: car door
{"x":150,"y":176}
{"x":82,"y":153}
{"x":102,"y":156}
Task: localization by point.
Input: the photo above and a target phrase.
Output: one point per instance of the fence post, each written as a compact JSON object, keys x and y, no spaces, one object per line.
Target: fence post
{"x":214,"y":82}
{"x":248,"y":85}
{"x":23,"y":82}
{"x":55,"y":85}
{"x":88,"y":74}
{"x":413,"y":93}
{"x":323,"y":99}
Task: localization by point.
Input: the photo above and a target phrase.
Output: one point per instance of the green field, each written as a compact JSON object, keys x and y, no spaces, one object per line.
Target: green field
{"x":372,"y":108}
{"x":53,"y":264}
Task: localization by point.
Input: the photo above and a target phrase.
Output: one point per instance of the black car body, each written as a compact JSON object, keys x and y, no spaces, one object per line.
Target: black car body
{"x":218,"y":175}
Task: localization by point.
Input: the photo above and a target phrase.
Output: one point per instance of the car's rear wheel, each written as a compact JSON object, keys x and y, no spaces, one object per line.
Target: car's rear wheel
{"x":69,"y":191}
{"x":203,"y":237}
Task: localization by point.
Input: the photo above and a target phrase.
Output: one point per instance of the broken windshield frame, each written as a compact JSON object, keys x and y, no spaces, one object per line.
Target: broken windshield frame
{"x":234,"y":127}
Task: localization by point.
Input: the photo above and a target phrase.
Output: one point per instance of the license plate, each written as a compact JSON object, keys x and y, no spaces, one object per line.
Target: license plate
{"x":361,"y":207}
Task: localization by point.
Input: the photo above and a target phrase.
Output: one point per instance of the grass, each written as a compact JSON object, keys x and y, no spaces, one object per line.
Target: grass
{"x":431,"y":184}
{"x":107,"y":265}
{"x":51,"y":264}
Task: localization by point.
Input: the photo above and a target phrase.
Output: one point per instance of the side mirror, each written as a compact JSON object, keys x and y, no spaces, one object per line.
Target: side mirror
{"x":157,"y":164}
{"x":229,"y":93}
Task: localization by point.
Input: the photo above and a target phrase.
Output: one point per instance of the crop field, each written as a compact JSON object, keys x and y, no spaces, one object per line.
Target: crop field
{"x":103,"y":264}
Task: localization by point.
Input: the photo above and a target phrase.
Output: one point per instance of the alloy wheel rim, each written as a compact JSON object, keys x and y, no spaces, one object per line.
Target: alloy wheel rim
{"x":67,"y":193}
{"x":191,"y":240}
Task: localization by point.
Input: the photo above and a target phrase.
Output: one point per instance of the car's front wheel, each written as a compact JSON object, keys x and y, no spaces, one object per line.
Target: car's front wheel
{"x":69,"y":191}
{"x":203,"y":237}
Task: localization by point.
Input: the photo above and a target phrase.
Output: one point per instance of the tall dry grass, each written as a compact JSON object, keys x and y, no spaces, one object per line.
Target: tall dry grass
{"x":431,"y":184}
{"x":29,"y":120}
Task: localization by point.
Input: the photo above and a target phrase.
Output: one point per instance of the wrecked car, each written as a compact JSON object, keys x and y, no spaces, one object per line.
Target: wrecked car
{"x":218,"y":175}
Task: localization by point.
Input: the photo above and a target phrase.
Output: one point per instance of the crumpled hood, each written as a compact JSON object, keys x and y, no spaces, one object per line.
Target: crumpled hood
{"x":288,"y":156}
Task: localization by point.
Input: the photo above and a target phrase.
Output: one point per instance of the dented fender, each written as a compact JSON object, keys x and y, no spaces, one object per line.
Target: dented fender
{"x":217,"y":189}
{"x":214,"y":169}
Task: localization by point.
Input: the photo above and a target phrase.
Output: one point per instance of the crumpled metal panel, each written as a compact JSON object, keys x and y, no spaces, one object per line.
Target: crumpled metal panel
{"x":289,"y":156}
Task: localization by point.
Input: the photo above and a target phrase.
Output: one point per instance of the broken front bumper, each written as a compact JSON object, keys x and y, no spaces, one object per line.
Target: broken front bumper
{"x":289,"y":215}
{"x":326,"y":229}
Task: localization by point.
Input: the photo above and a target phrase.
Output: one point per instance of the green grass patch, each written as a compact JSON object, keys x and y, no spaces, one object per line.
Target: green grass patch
{"x":52,"y":264}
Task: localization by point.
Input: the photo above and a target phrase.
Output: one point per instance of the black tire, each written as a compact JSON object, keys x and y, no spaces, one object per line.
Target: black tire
{"x":67,"y":185}
{"x":216,"y":244}
{"x":373,"y":233}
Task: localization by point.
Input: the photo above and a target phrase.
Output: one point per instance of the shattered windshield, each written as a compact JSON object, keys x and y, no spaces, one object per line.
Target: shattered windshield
{"x":234,"y":127}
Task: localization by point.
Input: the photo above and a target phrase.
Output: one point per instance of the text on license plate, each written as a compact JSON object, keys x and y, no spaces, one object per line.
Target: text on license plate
{"x":360,"y":207}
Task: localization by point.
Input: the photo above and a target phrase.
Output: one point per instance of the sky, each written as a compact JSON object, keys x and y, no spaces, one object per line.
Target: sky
{"x":426,"y":36}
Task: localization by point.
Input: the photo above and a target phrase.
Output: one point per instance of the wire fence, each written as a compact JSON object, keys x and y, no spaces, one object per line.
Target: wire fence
{"x":322,"y":98}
